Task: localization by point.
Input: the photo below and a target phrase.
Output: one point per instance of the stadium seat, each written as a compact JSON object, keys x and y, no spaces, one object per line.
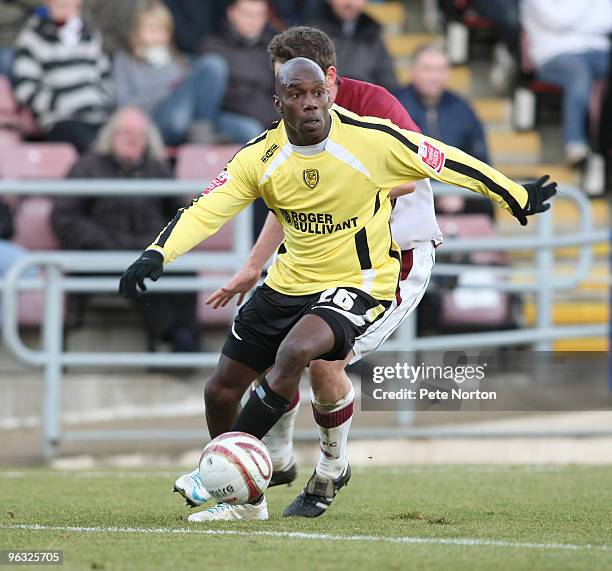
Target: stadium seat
{"x":202,"y":163}
{"x":464,"y":308}
{"x":37,"y":161}
{"x":9,"y":115}
{"x":31,"y":309}
{"x":461,"y":20}
{"x":32,"y":224}
{"x":215,"y":317}
{"x":472,"y":226}
{"x":9,"y":137}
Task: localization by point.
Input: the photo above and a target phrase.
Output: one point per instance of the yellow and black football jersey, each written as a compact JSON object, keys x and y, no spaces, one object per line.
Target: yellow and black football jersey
{"x":333,"y":204}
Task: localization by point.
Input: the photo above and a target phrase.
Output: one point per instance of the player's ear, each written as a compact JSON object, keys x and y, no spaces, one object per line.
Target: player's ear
{"x":331,"y":76}
{"x":278,"y":105}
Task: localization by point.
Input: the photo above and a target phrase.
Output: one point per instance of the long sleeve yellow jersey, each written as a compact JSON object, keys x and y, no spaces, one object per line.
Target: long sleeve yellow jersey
{"x":334,"y":205}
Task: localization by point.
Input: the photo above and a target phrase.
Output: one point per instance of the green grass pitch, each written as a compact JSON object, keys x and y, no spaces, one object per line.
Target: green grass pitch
{"x":442,"y":517}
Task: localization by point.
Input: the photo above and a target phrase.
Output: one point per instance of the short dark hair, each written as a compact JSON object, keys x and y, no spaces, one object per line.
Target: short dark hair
{"x":302,"y":41}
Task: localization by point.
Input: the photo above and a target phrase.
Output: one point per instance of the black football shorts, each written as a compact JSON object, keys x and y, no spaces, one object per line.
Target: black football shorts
{"x":266,"y":319}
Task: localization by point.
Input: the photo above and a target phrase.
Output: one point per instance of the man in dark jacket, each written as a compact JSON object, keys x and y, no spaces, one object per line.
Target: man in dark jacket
{"x":360,"y":49}
{"x":445,"y":116}
{"x":194,"y":20}
{"x":128,"y":147}
{"x":248,"y":107}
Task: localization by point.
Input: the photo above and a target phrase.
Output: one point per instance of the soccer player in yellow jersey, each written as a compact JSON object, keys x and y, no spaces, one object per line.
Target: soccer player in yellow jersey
{"x":327,"y":175}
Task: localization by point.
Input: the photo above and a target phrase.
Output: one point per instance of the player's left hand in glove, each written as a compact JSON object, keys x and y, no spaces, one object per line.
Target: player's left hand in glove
{"x":149,"y":265}
{"x":538,"y":193}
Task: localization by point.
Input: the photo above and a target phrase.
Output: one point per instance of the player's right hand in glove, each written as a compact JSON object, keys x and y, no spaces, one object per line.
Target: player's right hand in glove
{"x":538,"y":195}
{"x":149,"y":265}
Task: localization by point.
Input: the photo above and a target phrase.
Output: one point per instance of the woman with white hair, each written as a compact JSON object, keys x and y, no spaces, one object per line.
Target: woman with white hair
{"x":129,"y":146}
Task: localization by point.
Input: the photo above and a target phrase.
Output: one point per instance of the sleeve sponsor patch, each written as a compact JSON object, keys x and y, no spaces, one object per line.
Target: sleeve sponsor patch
{"x":433,"y":157}
{"x":216,"y":182}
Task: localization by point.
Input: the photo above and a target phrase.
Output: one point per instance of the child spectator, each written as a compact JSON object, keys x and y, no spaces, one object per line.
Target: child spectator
{"x":183,"y":102}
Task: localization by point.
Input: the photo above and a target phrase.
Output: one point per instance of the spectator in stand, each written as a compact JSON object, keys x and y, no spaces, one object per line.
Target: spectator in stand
{"x":128,"y":147}
{"x":605,"y":134}
{"x":195,"y":20}
{"x":296,"y":12}
{"x":62,"y":75}
{"x":248,"y":107}
{"x":359,"y":45}
{"x":13,"y":16}
{"x":114,"y":19}
{"x":505,"y":16}
{"x":445,"y":116}
{"x":182,"y":101}
{"x":569,"y":43}
{"x":439,"y":112}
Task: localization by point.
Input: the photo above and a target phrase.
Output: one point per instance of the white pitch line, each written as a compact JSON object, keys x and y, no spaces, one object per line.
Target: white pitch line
{"x":467,"y":542}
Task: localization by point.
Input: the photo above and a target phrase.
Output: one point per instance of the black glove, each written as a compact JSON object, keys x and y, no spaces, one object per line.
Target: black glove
{"x":149,"y":265}
{"x":538,"y":193}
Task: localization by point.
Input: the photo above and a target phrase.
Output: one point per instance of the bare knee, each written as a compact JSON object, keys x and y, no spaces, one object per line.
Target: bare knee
{"x":293,"y":355}
{"x":323,"y":372}
{"x":219,"y":395}
{"x":328,"y":380}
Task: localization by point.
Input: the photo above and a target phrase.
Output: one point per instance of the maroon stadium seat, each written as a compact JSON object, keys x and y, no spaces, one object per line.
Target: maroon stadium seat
{"x":9,"y":137}
{"x":9,"y":115}
{"x":32,"y":224}
{"x":29,"y":161}
{"x":466,"y":308}
{"x":215,"y":317}
{"x":203,"y":163}
{"x":472,"y":226}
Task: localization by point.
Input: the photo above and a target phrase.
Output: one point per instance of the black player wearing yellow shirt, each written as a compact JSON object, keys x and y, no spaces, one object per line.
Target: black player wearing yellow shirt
{"x":326,"y":173}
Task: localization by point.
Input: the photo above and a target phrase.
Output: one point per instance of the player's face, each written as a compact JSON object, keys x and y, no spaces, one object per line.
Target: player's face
{"x":304,"y":104}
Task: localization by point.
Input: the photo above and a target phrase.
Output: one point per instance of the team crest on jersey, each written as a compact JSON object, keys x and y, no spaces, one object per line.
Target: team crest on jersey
{"x":311,"y":178}
{"x":434,"y":158}
{"x":216,"y":182}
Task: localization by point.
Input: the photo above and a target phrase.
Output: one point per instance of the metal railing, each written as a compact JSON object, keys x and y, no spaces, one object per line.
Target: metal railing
{"x":53,"y":359}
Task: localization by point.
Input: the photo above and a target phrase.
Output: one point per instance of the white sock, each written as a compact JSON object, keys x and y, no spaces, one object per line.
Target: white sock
{"x":279,"y":439}
{"x":334,"y":423}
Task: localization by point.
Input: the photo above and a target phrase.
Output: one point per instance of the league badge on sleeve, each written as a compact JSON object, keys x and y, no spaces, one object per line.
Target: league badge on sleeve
{"x":433,"y":157}
{"x":216,"y":182}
